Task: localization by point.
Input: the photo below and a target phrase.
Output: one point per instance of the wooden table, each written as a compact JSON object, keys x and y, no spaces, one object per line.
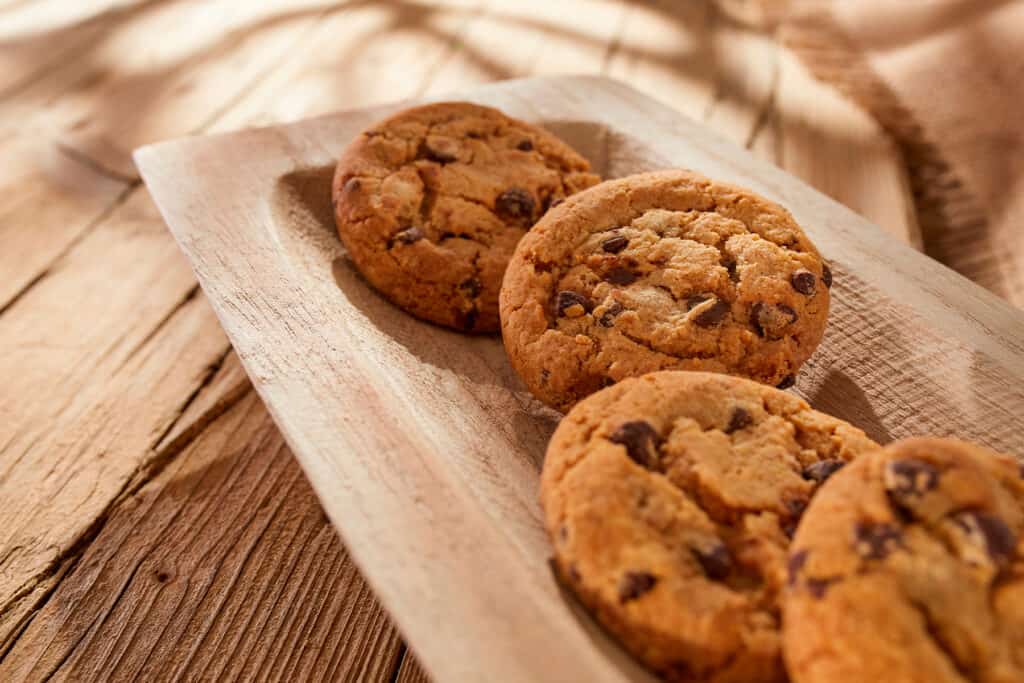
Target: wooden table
{"x":152,"y":522}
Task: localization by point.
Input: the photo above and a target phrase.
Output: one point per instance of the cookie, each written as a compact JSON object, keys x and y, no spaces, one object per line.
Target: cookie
{"x":659,"y":271}
{"x":908,"y":567}
{"x":669,"y":500}
{"x":431,"y":202}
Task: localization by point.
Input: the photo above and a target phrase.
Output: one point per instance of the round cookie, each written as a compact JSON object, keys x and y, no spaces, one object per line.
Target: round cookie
{"x":669,"y":500}
{"x":431,"y":202}
{"x":657,"y":271}
{"x":908,"y":567}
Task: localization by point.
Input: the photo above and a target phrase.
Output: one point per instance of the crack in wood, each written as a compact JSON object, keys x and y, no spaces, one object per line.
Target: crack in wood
{"x":94,"y":165}
{"x":160,"y":325}
{"x":48,"y":269}
{"x":163,"y":454}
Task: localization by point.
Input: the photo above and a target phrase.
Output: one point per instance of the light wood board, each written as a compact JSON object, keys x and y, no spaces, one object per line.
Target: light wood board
{"x":422,"y":444}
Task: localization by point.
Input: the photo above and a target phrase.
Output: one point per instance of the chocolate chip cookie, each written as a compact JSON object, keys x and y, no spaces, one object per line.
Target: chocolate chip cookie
{"x":670,"y":500}
{"x":431,"y":202}
{"x":664,"y":270}
{"x":908,"y":567}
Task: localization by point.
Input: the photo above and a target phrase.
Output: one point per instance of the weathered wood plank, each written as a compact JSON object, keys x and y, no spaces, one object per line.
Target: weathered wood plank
{"x":99,"y":360}
{"x":35,"y":36}
{"x":361,"y":55}
{"x":664,"y":48}
{"x":514,"y":40}
{"x":133,"y":89}
{"x":48,"y":200}
{"x":224,"y":562}
{"x":745,"y":77}
{"x":66,"y":137}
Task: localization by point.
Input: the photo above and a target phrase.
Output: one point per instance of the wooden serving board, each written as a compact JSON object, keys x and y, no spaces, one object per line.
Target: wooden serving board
{"x":422,"y":444}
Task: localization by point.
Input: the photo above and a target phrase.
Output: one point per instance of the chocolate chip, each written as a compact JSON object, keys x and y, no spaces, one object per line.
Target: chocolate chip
{"x":621,"y":276}
{"x":739,"y":419}
{"x":771,"y":320}
{"x":823,"y":469}
{"x":574,"y":574}
{"x":467,"y":319}
{"x":680,"y":670}
{"x":641,"y":442}
{"x":730,"y":267}
{"x":607,"y":318}
{"x":876,"y":541}
{"x":615,"y":244}
{"x":716,"y":561}
{"x":515,"y":204}
{"x":804,"y":282}
{"x":634,"y":584}
{"x":408,"y":236}
{"x":572,"y":305}
{"x":351,"y":185}
{"x":472,"y":287}
{"x":440,"y":157}
{"x":795,"y":507}
{"x":907,"y":480}
{"x":795,"y":563}
{"x":787,"y":382}
{"x":989,"y":532}
{"x":525,"y":145}
{"x":713,"y":314}
{"x":826,"y":275}
{"x":607,"y":382}
{"x":817,"y":587}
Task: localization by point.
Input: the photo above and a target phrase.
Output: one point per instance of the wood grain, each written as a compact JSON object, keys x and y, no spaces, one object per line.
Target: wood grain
{"x":68,"y":451}
{"x":56,"y":193}
{"x":68,"y":126}
{"x":422,"y":444}
{"x":69,"y":30}
{"x":222,"y":564}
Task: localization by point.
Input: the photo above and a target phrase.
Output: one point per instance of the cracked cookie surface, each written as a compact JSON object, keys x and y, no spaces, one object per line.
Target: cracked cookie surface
{"x":908,"y":567}
{"x":669,"y":500}
{"x":657,"y":271}
{"x":431,"y":202}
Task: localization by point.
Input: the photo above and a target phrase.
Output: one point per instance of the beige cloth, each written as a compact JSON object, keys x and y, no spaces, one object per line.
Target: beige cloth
{"x":946,"y":79}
